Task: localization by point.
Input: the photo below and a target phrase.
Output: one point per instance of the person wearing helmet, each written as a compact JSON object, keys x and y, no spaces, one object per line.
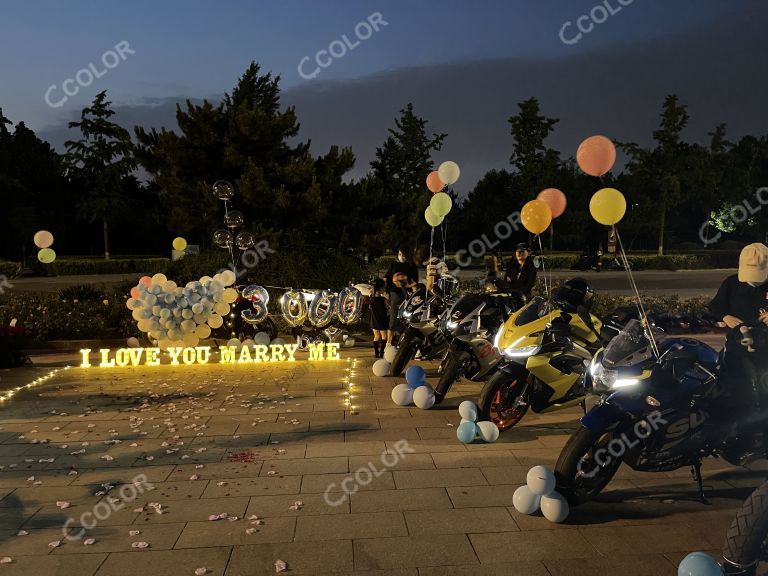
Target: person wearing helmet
{"x":574,"y":294}
{"x":521,"y":273}
{"x":742,"y":301}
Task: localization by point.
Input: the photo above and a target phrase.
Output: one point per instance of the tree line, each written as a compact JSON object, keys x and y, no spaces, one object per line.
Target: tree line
{"x":91,"y":198}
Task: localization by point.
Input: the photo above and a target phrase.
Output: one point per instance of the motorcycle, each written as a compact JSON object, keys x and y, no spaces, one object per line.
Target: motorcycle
{"x":659,"y":412}
{"x":469,"y":326}
{"x":421,"y":312}
{"x":545,"y":351}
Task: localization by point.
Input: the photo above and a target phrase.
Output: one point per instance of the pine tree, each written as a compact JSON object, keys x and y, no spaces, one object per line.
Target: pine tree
{"x":535,"y":164}
{"x":99,"y":162}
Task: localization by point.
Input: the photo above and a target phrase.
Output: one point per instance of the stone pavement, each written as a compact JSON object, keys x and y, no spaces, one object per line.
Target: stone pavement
{"x":225,"y":470}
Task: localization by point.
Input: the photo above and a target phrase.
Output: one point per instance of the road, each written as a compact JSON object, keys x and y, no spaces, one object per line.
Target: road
{"x":685,"y":283}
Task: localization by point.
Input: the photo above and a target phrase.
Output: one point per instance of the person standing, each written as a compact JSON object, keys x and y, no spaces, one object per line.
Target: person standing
{"x":521,"y":273}
{"x":379,"y":317}
{"x":402,"y":275}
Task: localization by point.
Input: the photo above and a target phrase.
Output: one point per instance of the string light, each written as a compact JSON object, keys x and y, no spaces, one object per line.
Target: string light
{"x":36,"y":382}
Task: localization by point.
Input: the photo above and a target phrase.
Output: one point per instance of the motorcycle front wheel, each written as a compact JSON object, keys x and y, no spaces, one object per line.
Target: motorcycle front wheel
{"x":448,"y":375}
{"x":585,"y":466}
{"x":500,"y":400}
{"x":406,"y":351}
{"x":745,"y":542}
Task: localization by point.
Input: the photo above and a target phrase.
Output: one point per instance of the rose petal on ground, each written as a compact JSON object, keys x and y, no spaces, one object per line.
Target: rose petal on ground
{"x":61,"y":504}
{"x":54,"y":544}
{"x":6,"y":560}
{"x":134,"y":532}
{"x":89,"y":541}
{"x":140,"y":545}
{"x":280,"y":566}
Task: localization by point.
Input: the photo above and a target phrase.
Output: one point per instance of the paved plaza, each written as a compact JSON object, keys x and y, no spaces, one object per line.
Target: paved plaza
{"x":234,"y":470}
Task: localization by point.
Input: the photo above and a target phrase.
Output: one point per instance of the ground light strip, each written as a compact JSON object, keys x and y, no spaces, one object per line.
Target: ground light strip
{"x":35,"y":382}
{"x":350,"y":384}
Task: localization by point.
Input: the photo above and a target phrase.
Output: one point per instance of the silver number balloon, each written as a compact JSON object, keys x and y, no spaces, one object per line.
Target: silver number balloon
{"x":259,"y":299}
{"x":350,"y":305}
{"x":294,"y":307}
{"x":322,"y":308}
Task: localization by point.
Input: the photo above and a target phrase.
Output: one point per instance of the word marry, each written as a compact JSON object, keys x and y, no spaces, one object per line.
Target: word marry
{"x":257,"y":353}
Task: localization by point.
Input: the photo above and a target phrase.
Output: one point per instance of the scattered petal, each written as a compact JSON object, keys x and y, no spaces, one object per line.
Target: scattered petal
{"x":61,"y":504}
{"x":6,"y":560}
{"x":89,"y":541}
{"x":140,"y":545}
{"x":22,"y":533}
{"x":54,"y":544}
{"x":201,"y":571}
{"x":134,"y":532}
{"x":280,"y":566}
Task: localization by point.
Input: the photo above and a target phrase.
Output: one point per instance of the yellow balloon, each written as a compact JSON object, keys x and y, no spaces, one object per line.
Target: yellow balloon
{"x":46,"y":255}
{"x":536,"y":216}
{"x":441,"y":204}
{"x":449,"y":172}
{"x":179,"y":244}
{"x":432,"y":218}
{"x":608,"y":206}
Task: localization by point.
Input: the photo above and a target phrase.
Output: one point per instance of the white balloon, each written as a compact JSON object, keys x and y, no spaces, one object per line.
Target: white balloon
{"x":468,"y":410}
{"x":205,"y":280}
{"x":402,"y":394}
{"x":190,"y":339}
{"x":489,"y":432}
{"x":276,"y":341}
{"x":525,"y":501}
{"x":555,"y":507}
{"x":248,"y":343}
{"x":262,"y":338}
{"x":541,"y":480}
{"x":389,"y":353}
{"x":227,"y":277}
{"x":424,"y":397}
{"x":169,"y":286}
{"x":449,"y":172}
{"x":188,"y":326}
{"x":215,"y":321}
{"x":381,"y":368}
{"x":203,"y":331}
{"x":133,"y":342}
{"x":221,"y":308}
{"x":229,"y":295}
{"x":234,"y":342}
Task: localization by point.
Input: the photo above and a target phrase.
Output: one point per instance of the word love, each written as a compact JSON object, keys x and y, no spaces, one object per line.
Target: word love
{"x":256,"y":354}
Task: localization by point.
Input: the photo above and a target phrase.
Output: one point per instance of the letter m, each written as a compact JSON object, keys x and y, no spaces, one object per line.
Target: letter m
{"x":228,"y":354}
{"x":316,"y":351}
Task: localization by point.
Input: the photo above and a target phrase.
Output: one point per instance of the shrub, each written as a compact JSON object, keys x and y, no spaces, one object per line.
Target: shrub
{"x":71,"y":267}
{"x":9,"y":269}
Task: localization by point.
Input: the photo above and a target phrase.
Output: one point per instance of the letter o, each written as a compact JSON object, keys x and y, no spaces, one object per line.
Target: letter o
{"x":499,"y":234}
{"x":97,"y":511}
{"x":480,"y":251}
{"x":70,"y":81}
{"x":114,"y":55}
{"x":362,"y":482}
{"x":347,"y":481}
{"x":249,"y":258}
{"x":598,"y":8}
{"x":343,"y":49}
{"x":317,"y":59}
{"x":584,"y":29}
{"x":619,"y":451}
{"x":762,"y":195}
{"x":128,"y":497}
{"x":84,"y":83}
{"x":367,"y":27}
{"x":740,"y":209}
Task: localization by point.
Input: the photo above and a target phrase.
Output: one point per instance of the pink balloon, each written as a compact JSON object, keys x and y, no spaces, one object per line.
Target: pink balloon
{"x":135,"y":293}
{"x":596,"y":155}
{"x":555,"y":199}
{"x":146,"y":280}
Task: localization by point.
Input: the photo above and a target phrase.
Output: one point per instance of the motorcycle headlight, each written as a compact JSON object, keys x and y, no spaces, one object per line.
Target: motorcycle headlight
{"x":605,"y":379}
{"x":452,"y":325}
{"x":523,"y":352}
{"x":407,"y":314}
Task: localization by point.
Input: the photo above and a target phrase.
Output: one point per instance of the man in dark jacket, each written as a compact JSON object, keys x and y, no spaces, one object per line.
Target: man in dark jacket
{"x":402,"y":274}
{"x":743,"y":301}
{"x":521,"y":273}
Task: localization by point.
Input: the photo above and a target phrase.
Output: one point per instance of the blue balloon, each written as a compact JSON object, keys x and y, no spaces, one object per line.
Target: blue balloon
{"x":466,"y":432}
{"x":699,"y":564}
{"x":415,"y":376}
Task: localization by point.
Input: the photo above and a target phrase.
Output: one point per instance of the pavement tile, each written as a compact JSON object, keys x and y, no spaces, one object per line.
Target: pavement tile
{"x":335,"y":449}
{"x":392,"y":500}
{"x":517,"y":568}
{"x":118,"y":539}
{"x":530,"y":546}
{"x":459,"y":521}
{"x":505,"y":474}
{"x":480,"y":496}
{"x":302,"y":558}
{"x":443,"y":477}
{"x":302,"y":466}
{"x":266,"y":506}
{"x":252,"y":486}
{"x":406,"y":462}
{"x":166,"y":562}
{"x":378,"y":553}
{"x":226,"y":533}
{"x":473,"y":460}
{"x":623,"y":540}
{"x":367,"y":478}
{"x":57,"y":565}
{"x":646,"y":565}
{"x":197,"y":510}
{"x":350,"y":526}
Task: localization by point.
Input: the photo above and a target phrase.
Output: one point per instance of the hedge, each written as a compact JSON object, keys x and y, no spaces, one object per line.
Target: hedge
{"x":9,"y":269}
{"x":70,"y":267}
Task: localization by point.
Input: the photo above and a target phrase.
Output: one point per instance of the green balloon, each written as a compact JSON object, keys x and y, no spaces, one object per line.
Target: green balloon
{"x":432,"y":218}
{"x":46,"y":255}
{"x":441,"y":204}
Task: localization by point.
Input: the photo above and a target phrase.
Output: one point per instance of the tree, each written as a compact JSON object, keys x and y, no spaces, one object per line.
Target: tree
{"x":660,"y":170}
{"x":401,"y":166}
{"x":535,"y":165}
{"x":99,"y":162}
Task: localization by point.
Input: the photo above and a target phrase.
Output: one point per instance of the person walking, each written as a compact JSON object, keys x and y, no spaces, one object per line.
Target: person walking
{"x":401,"y":276}
{"x":379,"y":317}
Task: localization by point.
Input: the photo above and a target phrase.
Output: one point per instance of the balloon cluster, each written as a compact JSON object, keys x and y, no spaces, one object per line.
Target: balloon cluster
{"x":173,"y":315}
{"x":416,"y":391}
{"x":441,"y":204}
{"x":539,"y":492}
{"x":470,"y":429}
{"x":44,"y":240}
{"x":229,"y":237}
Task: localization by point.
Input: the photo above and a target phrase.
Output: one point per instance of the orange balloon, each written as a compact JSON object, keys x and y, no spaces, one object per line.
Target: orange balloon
{"x":596,"y":155}
{"x":146,"y":280}
{"x":536,"y":216}
{"x":135,"y":292}
{"x":434,"y":183}
{"x":555,"y":199}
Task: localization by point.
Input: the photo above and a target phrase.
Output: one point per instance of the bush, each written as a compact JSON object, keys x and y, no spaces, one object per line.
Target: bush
{"x":71,"y":267}
{"x":9,"y":269}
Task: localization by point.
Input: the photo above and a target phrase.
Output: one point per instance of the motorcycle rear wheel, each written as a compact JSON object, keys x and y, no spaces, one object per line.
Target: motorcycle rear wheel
{"x":576,"y":485}
{"x":499,"y":398}
{"x":745,"y":541}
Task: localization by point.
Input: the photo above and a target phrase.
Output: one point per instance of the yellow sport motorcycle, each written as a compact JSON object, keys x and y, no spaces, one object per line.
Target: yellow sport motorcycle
{"x":546,"y":348}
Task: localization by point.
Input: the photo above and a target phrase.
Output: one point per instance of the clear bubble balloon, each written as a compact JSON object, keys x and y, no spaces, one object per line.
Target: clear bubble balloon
{"x":233,"y":219}
{"x":244,"y":240}
{"x":223,"y":190}
{"x":223,"y":238}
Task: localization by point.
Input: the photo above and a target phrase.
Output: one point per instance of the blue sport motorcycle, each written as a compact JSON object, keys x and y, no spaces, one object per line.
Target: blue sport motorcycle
{"x":663,"y":412}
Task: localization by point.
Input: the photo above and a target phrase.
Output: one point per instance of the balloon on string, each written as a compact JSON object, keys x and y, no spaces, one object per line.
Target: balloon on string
{"x":43,"y":239}
{"x":233,"y":219}
{"x":596,"y":155}
{"x":434,"y":183}
{"x":555,"y":199}
{"x":223,"y":190}
{"x":441,"y":204}
{"x":449,"y":172}
{"x":608,"y":206}
{"x":432,"y":219}
{"x":536,"y":216}
{"x":223,"y":238}
{"x":244,"y":240}
{"x":46,"y":255}
{"x":179,"y":244}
